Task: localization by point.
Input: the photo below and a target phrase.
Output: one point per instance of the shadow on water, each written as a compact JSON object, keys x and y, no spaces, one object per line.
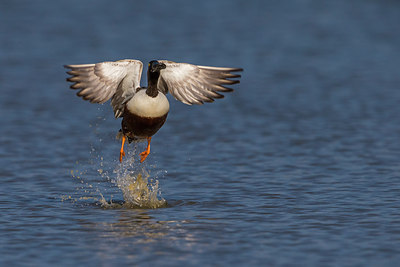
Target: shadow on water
{"x":142,"y":232}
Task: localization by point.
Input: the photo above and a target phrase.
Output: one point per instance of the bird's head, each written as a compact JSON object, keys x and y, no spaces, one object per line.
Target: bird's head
{"x":155,"y":66}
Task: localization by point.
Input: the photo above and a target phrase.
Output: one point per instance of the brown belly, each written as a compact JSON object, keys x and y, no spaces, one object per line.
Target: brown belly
{"x":135,"y":126}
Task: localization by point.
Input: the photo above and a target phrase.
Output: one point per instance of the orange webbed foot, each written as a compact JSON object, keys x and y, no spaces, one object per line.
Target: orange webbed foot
{"x":121,"y":155}
{"x":145,"y":153}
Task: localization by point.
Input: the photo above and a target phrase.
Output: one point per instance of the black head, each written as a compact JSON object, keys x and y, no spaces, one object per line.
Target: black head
{"x":155,"y":66}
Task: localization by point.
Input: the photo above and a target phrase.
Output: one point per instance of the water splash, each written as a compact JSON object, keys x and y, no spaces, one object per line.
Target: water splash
{"x":138,"y":191}
{"x":138,"y":188}
{"x":131,"y":178}
{"x":103,"y":177}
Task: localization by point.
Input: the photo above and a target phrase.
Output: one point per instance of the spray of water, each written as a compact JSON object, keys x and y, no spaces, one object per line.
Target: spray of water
{"x":139,"y":188}
{"x":138,"y":191}
{"x":103,"y":174}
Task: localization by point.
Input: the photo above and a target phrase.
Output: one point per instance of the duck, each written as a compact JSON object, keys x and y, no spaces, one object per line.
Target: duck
{"x":144,"y":110}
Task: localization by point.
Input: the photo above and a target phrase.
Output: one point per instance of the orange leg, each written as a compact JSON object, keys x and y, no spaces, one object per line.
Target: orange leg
{"x":121,"y":152}
{"x":145,"y":153}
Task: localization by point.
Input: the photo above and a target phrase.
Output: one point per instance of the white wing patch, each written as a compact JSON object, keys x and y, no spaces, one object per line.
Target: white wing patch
{"x":193,"y":84}
{"x":190,"y":84}
{"x":99,"y":82}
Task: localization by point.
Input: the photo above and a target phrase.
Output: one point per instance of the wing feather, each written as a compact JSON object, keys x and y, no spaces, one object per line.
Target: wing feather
{"x":101,"y":81}
{"x":192,"y":84}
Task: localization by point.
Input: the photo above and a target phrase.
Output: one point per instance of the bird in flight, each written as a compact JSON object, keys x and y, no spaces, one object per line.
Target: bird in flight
{"x":145,"y":109}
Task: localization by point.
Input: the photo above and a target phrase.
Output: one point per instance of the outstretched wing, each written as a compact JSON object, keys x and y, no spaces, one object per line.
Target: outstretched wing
{"x":192,"y":84}
{"x":99,"y":82}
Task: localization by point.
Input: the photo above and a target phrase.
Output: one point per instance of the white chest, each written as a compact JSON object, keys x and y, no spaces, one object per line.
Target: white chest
{"x":145,"y":106}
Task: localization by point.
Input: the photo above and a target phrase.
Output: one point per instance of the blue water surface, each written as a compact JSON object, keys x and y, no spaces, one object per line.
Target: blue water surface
{"x":298,"y":167}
